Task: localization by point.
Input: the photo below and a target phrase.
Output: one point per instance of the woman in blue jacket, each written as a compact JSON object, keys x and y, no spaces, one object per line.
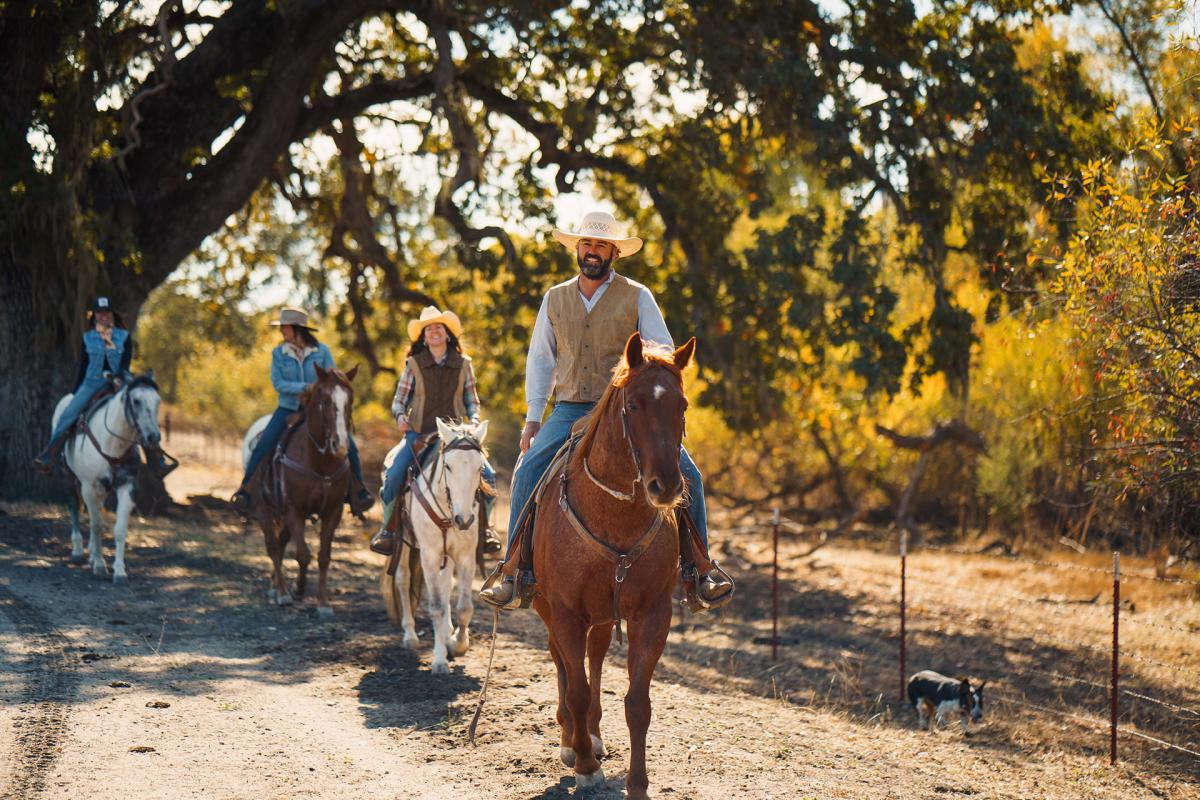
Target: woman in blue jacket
{"x":105,"y":354}
{"x":294,"y":364}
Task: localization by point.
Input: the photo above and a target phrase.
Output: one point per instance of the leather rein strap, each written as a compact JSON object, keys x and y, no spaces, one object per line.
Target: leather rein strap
{"x":326,"y":481}
{"x":622,"y":560}
{"x":431,"y":508}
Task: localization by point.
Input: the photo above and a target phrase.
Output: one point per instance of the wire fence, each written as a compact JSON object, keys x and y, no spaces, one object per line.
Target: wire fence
{"x":1119,"y":698}
{"x":190,"y":444}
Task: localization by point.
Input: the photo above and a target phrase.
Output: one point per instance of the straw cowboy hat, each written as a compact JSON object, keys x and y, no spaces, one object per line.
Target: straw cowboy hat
{"x":600,"y":225}
{"x":430,"y":315}
{"x":294,"y":317}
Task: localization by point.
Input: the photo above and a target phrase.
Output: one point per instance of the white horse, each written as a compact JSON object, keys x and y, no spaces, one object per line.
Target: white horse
{"x":127,"y":418}
{"x":447,"y":539}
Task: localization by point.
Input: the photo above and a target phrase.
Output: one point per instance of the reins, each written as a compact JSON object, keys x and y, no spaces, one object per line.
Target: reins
{"x":114,"y":462}
{"x":286,"y":462}
{"x":634,"y":454}
{"x":622,"y":560}
{"x":432,"y":508}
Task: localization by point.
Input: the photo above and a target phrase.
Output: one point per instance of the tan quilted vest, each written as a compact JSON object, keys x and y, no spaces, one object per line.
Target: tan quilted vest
{"x":590,"y":345}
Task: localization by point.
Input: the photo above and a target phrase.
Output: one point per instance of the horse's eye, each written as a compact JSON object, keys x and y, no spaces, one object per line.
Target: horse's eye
{"x":632,"y":406}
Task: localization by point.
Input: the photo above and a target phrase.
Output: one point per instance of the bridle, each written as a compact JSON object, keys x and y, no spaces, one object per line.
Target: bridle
{"x":634,"y":453}
{"x":622,"y":561}
{"x":287,"y":462}
{"x":430,"y":503}
{"x":322,"y":403}
{"x":126,"y":395}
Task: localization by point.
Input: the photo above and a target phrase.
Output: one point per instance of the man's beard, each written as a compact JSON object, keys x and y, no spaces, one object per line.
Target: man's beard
{"x":594,"y":270}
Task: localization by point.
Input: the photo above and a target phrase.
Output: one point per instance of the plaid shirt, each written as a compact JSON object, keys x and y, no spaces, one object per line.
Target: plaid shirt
{"x":408,"y":382}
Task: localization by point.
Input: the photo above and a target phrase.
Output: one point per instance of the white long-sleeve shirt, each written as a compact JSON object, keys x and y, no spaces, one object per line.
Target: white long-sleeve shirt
{"x":543,"y":348}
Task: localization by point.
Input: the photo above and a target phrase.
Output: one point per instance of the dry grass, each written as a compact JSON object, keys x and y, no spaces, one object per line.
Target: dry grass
{"x":1041,"y":633}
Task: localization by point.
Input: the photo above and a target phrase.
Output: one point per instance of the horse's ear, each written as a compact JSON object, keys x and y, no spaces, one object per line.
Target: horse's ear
{"x":633,"y":351}
{"x":444,"y":431}
{"x":321,"y":373}
{"x":683,"y":356}
{"x":481,"y":431}
{"x":350,"y":373}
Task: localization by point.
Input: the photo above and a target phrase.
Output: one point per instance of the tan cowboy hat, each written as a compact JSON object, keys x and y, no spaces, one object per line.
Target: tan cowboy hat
{"x":293,"y":316}
{"x":600,"y":225}
{"x":430,"y":315}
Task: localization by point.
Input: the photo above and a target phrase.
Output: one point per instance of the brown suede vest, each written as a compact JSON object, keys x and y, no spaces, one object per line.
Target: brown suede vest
{"x":437,"y":390}
{"x":590,"y":344}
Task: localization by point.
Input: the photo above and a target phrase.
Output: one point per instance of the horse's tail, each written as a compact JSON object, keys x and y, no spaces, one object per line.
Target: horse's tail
{"x":391,"y":593}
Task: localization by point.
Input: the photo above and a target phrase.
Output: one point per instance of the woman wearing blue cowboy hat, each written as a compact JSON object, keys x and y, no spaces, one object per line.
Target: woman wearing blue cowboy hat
{"x":294,"y":363}
{"x":104,"y":355}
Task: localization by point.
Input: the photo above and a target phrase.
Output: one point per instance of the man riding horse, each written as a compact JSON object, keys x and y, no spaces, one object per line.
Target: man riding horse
{"x":578,"y":338}
{"x":437,"y":383}
{"x":104,"y":358}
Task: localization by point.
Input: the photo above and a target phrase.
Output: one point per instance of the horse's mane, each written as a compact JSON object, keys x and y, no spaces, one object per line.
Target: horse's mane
{"x":655,"y":356}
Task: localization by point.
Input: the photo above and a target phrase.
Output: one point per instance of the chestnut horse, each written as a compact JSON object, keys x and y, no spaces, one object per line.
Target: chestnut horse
{"x":606,"y":548}
{"x":308,"y":476}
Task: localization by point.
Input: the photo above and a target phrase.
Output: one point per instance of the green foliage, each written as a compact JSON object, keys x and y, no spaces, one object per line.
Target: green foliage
{"x":1129,"y":281}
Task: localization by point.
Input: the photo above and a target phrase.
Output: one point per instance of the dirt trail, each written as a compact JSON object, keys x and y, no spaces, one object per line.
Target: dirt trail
{"x":238,"y":699}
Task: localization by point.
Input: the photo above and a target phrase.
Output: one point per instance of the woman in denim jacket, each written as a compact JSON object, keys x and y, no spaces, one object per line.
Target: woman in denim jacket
{"x":103,"y":356}
{"x":294,"y":364}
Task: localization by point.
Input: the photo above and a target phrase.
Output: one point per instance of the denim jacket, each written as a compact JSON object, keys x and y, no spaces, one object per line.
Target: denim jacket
{"x":95,"y":359}
{"x":290,"y":377}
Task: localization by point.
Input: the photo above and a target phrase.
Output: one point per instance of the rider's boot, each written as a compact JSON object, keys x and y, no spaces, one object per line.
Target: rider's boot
{"x":241,"y":500}
{"x":705,"y":585}
{"x":507,"y":594}
{"x":360,"y":499}
{"x":156,"y":460}
{"x":503,"y":595}
{"x":384,"y":540}
{"x":45,"y":460}
{"x":705,"y":592}
{"x":490,"y":541}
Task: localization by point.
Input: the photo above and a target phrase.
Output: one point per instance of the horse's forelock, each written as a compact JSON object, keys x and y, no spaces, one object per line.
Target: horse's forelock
{"x":655,"y":356}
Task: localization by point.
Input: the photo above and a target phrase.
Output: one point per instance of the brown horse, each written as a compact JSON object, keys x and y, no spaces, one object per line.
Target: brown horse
{"x":606,"y":548}
{"x":309,"y":476}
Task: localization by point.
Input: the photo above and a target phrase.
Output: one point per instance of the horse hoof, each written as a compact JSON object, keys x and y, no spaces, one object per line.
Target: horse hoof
{"x":439,"y":668}
{"x":78,"y":560}
{"x":283,"y":599}
{"x":99,"y":570}
{"x":410,"y":640}
{"x":635,"y":793}
{"x":597,"y":747}
{"x":120,"y":580}
{"x":272,"y":594}
{"x":584,"y":781}
{"x":324,"y":611}
{"x":567,"y":755}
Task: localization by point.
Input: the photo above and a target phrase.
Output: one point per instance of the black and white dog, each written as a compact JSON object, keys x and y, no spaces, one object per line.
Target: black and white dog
{"x":935,"y":695}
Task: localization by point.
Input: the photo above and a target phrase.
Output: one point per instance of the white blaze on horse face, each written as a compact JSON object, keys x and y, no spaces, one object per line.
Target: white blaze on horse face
{"x":340,"y":398}
{"x":659,"y":391}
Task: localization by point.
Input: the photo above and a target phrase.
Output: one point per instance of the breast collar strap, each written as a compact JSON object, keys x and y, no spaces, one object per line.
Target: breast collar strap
{"x":622,"y":560}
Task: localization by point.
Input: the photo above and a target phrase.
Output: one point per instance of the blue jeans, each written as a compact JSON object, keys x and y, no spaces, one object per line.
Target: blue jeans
{"x":554,"y":433}
{"x":393,"y":483}
{"x":83,"y":395}
{"x":270,"y":439}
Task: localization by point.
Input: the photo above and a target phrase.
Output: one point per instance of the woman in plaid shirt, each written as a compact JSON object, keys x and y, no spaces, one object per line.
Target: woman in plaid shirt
{"x":437,"y":382}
